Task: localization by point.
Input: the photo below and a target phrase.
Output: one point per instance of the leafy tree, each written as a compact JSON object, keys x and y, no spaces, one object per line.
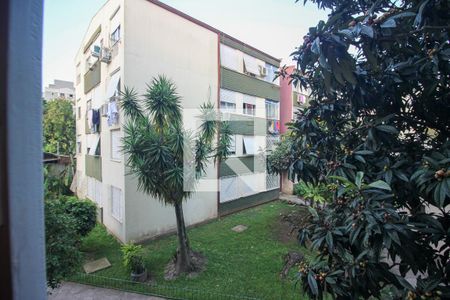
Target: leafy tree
{"x":161,"y":153}
{"x":377,"y":127}
{"x":59,"y":127}
{"x":61,"y":243}
{"x":83,"y":211}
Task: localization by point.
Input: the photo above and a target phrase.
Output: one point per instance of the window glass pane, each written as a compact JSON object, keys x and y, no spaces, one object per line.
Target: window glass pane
{"x":116,"y":203}
{"x":115,"y":145}
{"x":229,"y":58}
{"x":249,"y":145}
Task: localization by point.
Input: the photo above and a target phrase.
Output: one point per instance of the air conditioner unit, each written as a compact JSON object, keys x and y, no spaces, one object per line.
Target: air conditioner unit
{"x":262,"y":70}
{"x":96,"y":51}
{"x":106,"y":56}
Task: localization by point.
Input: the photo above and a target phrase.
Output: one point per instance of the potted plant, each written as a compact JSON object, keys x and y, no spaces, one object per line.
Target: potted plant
{"x":133,"y":260}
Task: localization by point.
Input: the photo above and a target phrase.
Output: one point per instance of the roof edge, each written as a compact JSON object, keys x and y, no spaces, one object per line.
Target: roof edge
{"x":209,"y":27}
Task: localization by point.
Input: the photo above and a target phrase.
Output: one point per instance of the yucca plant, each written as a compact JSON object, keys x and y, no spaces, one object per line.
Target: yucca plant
{"x":161,"y":154}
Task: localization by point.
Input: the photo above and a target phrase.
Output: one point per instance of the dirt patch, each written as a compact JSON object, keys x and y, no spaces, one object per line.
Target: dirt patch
{"x":199,"y":265}
{"x":289,"y":222}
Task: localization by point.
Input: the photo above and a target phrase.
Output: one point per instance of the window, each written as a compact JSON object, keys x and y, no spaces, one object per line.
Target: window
{"x":272,"y":110}
{"x":116,"y":203}
{"x":94,"y":190}
{"x":94,"y":148}
{"x":232,"y":147}
{"x":115,"y":145}
{"x":79,"y":149}
{"x":115,"y":36}
{"x":251,"y":65}
{"x":79,"y":112}
{"x":249,"y":109}
{"x":88,"y":105}
{"x":227,"y":100}
{"x":227,"y":107}
{"x":270,"y":77}
{"x":70,"y":95}
{"x":229,"y":58}
{"x":61,"y":95}
{"x":78,"y":79}
{"x":249,"y":105}
{"x":248,"y":145}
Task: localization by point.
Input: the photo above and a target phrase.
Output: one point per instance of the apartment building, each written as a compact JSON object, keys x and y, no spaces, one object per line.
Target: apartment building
{"x":59,"y":89}
{"x":127,"y":44}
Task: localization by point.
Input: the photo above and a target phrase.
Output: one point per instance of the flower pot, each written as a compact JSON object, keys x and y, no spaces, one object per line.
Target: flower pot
{"x":139,"y":277}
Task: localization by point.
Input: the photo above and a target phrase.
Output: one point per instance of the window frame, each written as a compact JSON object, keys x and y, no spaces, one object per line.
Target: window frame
{"x":114,"y":212}
{"x":115,"y":36}
{"x":112,"y":157}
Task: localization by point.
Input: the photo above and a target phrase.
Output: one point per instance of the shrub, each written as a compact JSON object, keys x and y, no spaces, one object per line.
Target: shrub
{"x":61,"y":241}
{"x":279,"y":159}
{"x":133,"y":258}
{"x":83,"y":211}
{"x":316,"y":193}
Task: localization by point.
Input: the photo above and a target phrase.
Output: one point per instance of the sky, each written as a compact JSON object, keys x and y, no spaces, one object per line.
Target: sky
{"x":273,"y":26}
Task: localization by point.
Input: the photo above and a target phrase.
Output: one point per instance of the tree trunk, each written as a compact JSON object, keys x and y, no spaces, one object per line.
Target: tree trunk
{"x":183,"y":259}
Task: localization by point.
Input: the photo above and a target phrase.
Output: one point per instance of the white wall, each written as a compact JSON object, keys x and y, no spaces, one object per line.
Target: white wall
{"x":161,"y":43}
{"x":112,"y":171}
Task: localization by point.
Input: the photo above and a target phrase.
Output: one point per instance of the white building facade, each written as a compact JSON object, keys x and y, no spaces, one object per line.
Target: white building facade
{"x":127,"y":44}
{"x":59,"y":89}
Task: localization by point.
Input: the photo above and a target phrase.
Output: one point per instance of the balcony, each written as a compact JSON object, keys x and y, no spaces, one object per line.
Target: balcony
{"x":93,"y":166}
{"x":92,"y":77}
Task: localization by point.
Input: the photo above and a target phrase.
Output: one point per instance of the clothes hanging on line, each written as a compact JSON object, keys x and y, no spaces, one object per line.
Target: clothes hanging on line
{"x":95,"y":120}
{"x":112,"y":113}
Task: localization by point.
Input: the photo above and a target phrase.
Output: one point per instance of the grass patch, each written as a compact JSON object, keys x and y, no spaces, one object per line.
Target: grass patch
{"x":246,"y":264}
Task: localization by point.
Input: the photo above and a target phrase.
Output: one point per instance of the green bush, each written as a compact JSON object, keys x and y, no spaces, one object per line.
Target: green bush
{"x":83,"y":211}
{"x":133,"y":258}
{"x":61,"y":241}
{"x":317,"y":193}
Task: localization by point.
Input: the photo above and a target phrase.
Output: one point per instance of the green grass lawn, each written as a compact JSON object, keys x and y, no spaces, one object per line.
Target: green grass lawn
{"x":242,"y":264}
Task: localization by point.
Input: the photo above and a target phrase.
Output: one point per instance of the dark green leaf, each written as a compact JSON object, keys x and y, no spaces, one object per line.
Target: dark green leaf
{"x":380,"y":185}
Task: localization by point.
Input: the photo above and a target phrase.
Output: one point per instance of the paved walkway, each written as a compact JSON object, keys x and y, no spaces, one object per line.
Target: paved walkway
{"x":292,"y":199}
{"x":76,"y":291}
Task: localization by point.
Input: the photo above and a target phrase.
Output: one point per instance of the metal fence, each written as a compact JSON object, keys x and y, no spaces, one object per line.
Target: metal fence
{"x":151,"y":289}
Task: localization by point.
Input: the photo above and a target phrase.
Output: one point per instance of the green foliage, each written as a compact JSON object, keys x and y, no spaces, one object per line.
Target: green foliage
{"x":56,"y":185}
{"x":59,"y":127}
{"x":316,"y":193}
{"x":377,"y":127}
{"x":166,"y":159}
{"x":61,"y":242}
{"x":133,"y":258}
{"x":159,"y":148}
{"x":83,"y":211}
{"x":280,"y":158}
{"x":245,"y":265}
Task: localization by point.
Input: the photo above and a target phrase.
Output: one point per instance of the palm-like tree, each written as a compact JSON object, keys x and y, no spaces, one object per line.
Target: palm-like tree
{"x":161,"y":154}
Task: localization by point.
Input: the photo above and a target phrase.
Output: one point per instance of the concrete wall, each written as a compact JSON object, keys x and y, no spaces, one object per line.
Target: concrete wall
{"x":113,"y":171}
{"x":159,"y":42}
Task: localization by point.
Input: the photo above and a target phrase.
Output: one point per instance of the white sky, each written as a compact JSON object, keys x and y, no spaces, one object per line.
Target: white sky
{"x":273,"y":26}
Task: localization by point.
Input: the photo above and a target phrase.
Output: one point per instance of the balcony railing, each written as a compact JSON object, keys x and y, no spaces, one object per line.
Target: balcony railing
{"x":92,"y":77}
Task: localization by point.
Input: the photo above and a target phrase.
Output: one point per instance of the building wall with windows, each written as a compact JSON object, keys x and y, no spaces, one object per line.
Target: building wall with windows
{"x":119,"y":50}
{"x":249,"y":99}
{"x":59,"y":89}
{"x":187,"y":54}
{"x":98,"y":78}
